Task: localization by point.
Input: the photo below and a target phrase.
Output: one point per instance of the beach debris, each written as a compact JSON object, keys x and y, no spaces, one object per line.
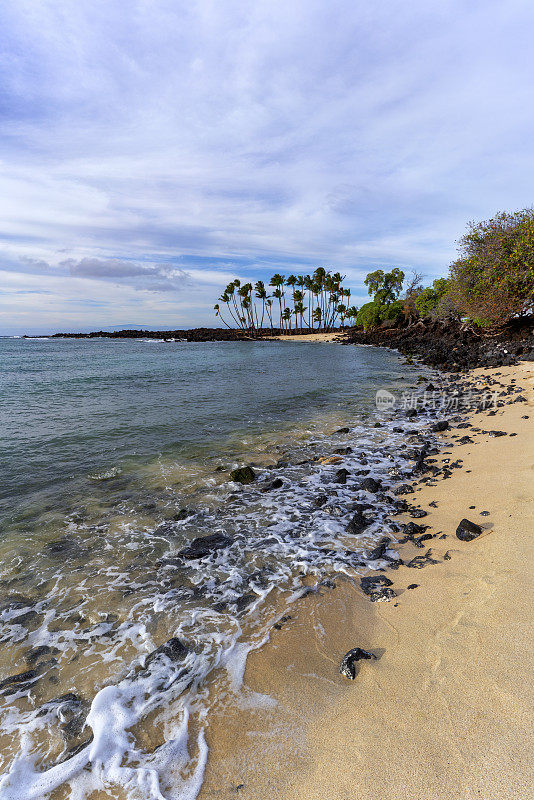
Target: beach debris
{"x":447,"y":556}
{"x":413,"y":586}
{"x":495,"y":434}
{"x":347,"y":667}
{"x":422,"y":561}
{"x":467,"y":530}
{"x":484,"y":513}
{"x":205,"y":546}
{"x":243,"y":475}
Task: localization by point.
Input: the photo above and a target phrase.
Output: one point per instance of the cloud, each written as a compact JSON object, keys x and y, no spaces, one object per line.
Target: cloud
{"x":184,"y":143}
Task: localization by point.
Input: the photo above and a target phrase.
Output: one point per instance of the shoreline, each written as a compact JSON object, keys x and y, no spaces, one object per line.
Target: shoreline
{"x":443,"y":712}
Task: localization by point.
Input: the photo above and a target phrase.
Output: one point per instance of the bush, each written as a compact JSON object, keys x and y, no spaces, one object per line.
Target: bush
{"x":428,"y":299}
{"x":369,"y":315}
{"x":494,"y":277}
{"x":392,"y":310}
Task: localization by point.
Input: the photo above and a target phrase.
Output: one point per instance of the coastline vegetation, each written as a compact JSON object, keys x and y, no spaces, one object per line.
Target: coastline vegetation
{"x":491,"y":282}
{"x":316,"y":302}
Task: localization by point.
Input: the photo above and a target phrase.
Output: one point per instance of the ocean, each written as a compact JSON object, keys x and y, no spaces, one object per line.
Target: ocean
{"x":119,"y":621}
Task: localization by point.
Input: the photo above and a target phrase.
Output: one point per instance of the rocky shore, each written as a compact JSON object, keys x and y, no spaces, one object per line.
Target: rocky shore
{"x":454,"y":346}
{"x":419,"y":664}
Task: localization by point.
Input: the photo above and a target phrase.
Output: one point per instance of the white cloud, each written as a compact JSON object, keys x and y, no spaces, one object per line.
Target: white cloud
{"x":165,"y":138}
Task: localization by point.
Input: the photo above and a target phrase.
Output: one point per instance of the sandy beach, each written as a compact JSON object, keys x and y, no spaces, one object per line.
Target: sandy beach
{"x":445,"y":711}
{"x":308,"y":337}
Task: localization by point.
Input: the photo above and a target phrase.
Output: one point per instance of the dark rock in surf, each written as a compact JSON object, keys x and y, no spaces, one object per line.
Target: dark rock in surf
{"x":205,"y":545}
{"x":173,"y":649}
{"x":277,"y":483}
{"x":370,"y":485}
{"x":347,"y":667}
{"x":404,"y":488}
{"x":467,"y":530}
{"x":358,"y":523}
{"x":243,"y":475}
{"x":341,"y":475}
{"x":441,"y":425}
{"x":36,"y":653}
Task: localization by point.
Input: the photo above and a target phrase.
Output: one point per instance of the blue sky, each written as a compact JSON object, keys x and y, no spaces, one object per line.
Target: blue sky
{"x":151,"y":151}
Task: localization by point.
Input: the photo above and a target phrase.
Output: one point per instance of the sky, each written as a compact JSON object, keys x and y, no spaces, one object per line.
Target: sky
{"x":153,"y":150}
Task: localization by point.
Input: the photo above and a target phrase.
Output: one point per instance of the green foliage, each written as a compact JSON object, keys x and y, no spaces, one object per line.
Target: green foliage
{"x":427,"y":300}
{"x":385,"y":286}
{"x":392,"y":310}
{"x":369,"y":315}
{"x":493,"y":279}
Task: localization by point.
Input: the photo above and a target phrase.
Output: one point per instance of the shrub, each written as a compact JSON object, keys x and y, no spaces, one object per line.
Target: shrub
{"x":493,"y":278}
{"x":428,"y":299}
{"x":369,"y":315}
{"x":392,"y":310}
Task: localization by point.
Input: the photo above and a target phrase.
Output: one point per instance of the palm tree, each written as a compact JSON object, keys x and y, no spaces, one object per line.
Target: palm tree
{"x":278,"y":281}
{"x":286,"y":317}
{"x":261,"y":294}
{"x":217,"y":310}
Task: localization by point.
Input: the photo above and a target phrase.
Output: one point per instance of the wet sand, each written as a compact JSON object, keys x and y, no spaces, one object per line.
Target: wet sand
{"x":445,"y":712}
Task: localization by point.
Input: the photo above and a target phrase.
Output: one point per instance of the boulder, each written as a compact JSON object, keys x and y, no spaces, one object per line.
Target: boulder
{"x":205,"y":546}
{"x":467,"y":530}
{"x":243,"y":475}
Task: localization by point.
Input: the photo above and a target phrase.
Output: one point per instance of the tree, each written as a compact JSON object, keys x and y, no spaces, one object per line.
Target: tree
{"x":428,"y":299}
{"x":385,"y":286}
{"x":369,"y":315}
{"x":493,"y":278}
{"x":278,"y":281}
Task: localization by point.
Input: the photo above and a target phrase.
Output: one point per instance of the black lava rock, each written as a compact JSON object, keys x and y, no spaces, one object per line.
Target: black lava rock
{"x":441,"y":425}
{"x":174,"y":649}
{"x":205,"y":545}
{"x":373,"y":583}
{"x":347,"y":667}
{"x":341,"y":475}
{"x":370,"y":485}
{"x":467,"y":530}
{"x":243,"y":475}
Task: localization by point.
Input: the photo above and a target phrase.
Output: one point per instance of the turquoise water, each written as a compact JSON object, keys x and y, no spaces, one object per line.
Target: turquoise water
{"x":115,"y":456}
{"x":71,"y":406}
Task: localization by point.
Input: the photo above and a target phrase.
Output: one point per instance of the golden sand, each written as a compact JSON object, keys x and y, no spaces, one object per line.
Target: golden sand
{"x":446,"y":711}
